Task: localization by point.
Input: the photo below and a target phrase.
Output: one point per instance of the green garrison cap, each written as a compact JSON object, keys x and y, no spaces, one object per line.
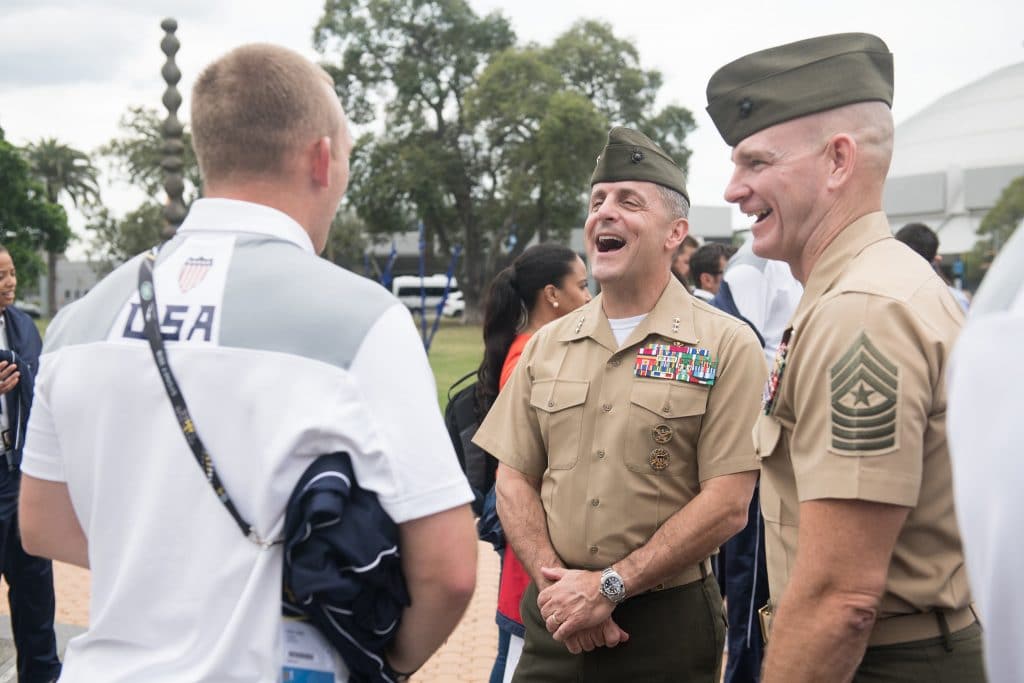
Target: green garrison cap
{"x":631,"y":155}
{"x":789,"y":81}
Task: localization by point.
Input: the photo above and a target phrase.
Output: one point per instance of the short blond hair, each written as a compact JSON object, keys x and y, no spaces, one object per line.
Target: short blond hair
{"x":254,"y":107}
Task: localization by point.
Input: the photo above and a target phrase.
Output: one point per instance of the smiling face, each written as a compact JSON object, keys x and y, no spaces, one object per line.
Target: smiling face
{"x":573,"y":291}
{"x":779,"y":179}
{"x":8,"y":280}
{"x":629,"y":234}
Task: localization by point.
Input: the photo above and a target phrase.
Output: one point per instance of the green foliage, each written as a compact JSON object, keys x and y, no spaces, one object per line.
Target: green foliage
{"x":996,"y":228}
{"x":346,"y":241}
{"x":482,"y":139}
{"x":115,"y":240}
{"x":136,"y":156}
{"x":64,"y":170}
{"x":29,"y":220}
{"x":1004,"y":218}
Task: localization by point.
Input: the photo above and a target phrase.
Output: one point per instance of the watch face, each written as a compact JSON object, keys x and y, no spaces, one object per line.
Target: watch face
{"x":612,"y":586}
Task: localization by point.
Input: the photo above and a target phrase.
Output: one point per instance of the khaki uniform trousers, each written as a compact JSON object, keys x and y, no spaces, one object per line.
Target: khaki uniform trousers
{"x":676,"y":635}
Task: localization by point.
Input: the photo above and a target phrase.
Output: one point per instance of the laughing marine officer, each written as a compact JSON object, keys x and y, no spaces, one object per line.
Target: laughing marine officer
{"x":865,"y":562}
{"x":624,"y":442}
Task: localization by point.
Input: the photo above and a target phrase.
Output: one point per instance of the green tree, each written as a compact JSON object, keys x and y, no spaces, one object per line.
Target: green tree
{"x":1002,"y":219}
{"x":347,"y":240}
{"x":29,"y":221}
{"x":135,"y":157}
{"x":482,"y":139}
{"x":64,"y":172}
{"x":137,"y":154}
{"x":415,"y":60}
{"x":115,"y":240}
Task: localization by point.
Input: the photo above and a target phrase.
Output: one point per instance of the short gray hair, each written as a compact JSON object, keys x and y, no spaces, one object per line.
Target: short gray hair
{"x":675,"y":203}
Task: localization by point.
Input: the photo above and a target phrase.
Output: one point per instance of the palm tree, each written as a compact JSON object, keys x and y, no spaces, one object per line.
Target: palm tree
{"x":63,"y":170}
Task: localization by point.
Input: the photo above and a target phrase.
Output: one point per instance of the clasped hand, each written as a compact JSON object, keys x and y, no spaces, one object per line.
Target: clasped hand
{"x":575,"y":612}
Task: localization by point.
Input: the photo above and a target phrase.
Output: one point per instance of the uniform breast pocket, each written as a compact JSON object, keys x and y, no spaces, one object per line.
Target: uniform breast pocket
{"x":665,"y":419}
{"x":559,"y":407}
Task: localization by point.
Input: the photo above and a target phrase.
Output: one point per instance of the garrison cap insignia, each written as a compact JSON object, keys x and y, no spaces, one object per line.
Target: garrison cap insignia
{"x":659,"y":459}
{"x":637,"y":156}
{"x":745,"y":106}
{"x":865,"y":386}
{"x":661,"y":434}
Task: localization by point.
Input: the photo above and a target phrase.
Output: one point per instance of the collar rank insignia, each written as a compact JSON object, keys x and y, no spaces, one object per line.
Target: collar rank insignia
{"x":193,"y":271}
{"x":677,"y":362}
{"x":771,"y":385}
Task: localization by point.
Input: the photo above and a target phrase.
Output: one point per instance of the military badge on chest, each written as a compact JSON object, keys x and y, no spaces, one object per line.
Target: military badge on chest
{"x":771,"y":387}
{"x":681,"y":363}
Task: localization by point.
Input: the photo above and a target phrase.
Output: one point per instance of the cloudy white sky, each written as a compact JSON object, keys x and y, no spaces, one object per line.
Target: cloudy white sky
{"x":69,"y":68}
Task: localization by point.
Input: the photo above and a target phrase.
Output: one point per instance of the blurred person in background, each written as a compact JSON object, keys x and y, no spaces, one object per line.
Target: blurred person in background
{"x":29,"y":578}
{"x":544,"y":283}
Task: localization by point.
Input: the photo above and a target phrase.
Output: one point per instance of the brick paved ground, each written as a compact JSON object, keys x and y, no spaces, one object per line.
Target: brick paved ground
{"x":467,"y":656}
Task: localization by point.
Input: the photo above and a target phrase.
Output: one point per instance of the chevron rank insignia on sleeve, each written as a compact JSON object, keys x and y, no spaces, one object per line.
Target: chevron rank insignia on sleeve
{"x":865,"y":387}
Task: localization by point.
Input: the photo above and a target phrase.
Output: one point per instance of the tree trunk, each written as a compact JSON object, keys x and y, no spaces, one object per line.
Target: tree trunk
{"x":51,"y":282}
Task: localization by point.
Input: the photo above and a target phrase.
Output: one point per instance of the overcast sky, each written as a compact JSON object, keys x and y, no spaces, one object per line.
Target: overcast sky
{"x":70,"y":69}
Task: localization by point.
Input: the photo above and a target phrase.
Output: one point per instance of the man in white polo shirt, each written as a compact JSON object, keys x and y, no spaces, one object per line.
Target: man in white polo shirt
{"x":281,"y":357}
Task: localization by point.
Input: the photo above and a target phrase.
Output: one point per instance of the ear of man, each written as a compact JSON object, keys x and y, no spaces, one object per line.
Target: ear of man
{"x":680,"y":228}
{"x":320,"y":162}
{"x":841,"y":154}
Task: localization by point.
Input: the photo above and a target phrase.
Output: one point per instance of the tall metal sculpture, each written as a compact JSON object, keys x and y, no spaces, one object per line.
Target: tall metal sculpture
{"x":174,"y":149}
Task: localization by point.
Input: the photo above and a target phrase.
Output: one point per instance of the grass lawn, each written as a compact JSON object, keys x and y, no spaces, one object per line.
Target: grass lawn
{"x":456,"y":350}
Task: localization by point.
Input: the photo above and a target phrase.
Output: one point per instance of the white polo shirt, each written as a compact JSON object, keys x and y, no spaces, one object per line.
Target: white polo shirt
{"x":985,"y":429}
{"x":282,"y":357}
{"x":765,"y":293}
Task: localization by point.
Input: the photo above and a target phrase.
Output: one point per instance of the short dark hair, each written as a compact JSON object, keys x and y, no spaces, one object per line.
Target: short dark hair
{"x":921,"y":239}
{"x":707,"y":259}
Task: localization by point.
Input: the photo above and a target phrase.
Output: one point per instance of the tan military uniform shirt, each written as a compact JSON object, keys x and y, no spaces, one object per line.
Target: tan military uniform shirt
{"x":859,"y":412}
{"x":619,"y":454}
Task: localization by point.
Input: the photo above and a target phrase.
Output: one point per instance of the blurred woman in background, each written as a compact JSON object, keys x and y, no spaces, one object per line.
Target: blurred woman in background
{"x":545,"y":282}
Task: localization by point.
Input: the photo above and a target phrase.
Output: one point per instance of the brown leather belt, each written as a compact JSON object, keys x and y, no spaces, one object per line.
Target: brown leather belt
{"x":906,"y":628}
{"x":688,"y":575}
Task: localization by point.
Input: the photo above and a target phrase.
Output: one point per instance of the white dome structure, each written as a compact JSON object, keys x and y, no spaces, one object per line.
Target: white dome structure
{"x":953,"y":159}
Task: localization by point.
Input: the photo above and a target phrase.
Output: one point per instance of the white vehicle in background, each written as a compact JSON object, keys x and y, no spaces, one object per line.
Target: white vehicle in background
{"x":417,"y":293}
{"x":455,"y":306}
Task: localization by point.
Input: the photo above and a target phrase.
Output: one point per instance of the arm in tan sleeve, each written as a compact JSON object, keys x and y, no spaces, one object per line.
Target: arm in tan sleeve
{"x":525,"y":524}
{"x":823,"y":622}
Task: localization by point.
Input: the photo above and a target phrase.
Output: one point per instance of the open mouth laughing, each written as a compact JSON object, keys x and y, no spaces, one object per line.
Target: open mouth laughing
{"x":607,"y":243}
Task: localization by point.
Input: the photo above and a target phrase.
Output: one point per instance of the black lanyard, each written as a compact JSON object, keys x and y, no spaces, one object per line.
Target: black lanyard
{"x":147,"y":300}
